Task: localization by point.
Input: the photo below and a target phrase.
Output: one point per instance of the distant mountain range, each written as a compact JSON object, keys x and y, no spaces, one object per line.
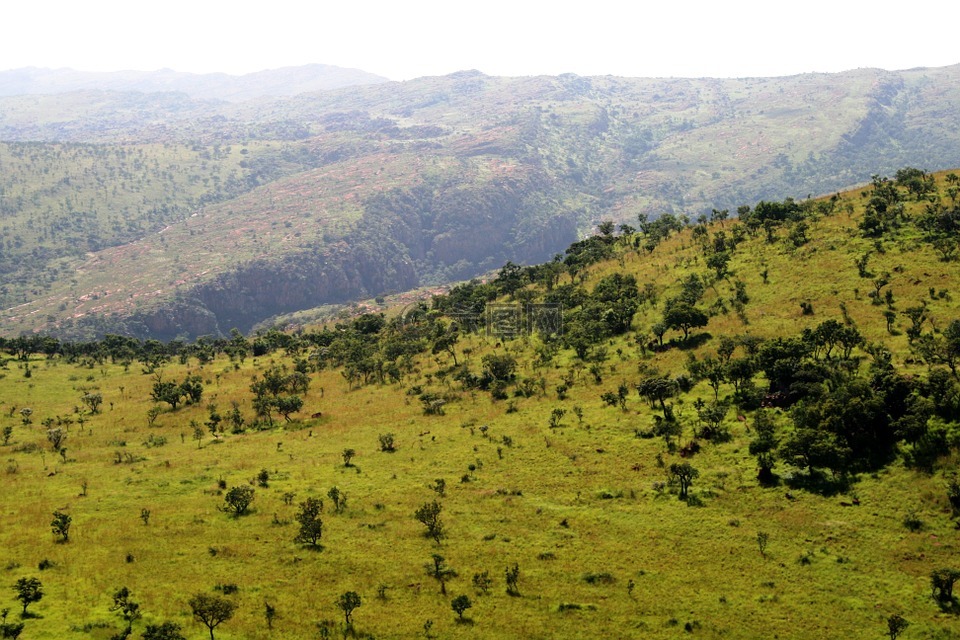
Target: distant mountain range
{"x":286,"y":81}
{"x":167,"y":214}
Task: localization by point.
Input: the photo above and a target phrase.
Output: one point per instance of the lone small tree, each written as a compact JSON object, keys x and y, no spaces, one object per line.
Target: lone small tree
{"x":339,"y":499}
{"x":348,"y":455}
{"x":29,"y":590}
{"x":512,"y":575}
{"x":60,"y":525}
{"x":311,"y":526}
{"x":93,"y":401}
{"x":683,"y":473}
{"x":482,"y":582}
{"x":211,"y":610}
{"x":896,"y":624}
{"x":347,"y":602}
{"x":459,"y":605}
{"x":762,"y":539}
{"x":9,"y":629}
{"x":238,"y":500}
{"x":439,"y":571}
{"x":941,"y":581}
{"x":429,"y":515}
{"x":57,"y":438}
{"x":387,"y":442}
{"x":126,"y":608}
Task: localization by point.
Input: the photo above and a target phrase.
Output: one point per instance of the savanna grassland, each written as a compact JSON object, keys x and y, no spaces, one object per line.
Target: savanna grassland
{"x":558,"y":456}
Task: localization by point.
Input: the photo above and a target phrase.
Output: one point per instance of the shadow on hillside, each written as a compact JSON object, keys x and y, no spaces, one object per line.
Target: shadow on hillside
{"x":951,"y":606}
{"x":695,"y":341}
{"x":820,"y":484}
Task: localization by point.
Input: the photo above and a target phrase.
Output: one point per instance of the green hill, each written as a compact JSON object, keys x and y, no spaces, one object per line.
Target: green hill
{"x":730,"y":428}
{"x":156,"y":214}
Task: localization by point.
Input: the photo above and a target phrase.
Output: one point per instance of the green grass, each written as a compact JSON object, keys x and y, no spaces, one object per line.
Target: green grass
{"x":580,"y":508}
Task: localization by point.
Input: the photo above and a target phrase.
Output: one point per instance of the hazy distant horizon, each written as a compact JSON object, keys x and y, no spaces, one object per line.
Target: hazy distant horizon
{"x":401,"y":41}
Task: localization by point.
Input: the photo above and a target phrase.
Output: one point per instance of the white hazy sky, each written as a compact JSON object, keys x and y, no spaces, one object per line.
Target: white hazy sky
{"x":407,"y":39}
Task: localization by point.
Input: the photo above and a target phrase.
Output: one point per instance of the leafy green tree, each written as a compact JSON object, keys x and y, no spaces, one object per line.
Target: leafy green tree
{"x":618,"y":298}
{"x":238,"y":500}
{"x":764,"y":446}
{"x":657,"y":389}
{"x":684,"y":474}
{"x":212,"y":611}
{"x":428,"y":514}
{"x":512,"y":576}
{"x":61,"y":525}
{"x":10,"y":629}
{"x":348,"y":602}
{"x":445,"y":340}
{"x":93,"y":401}
{"x":57,"y":437}
{"x":812,"y":448}
{"x":167,"y":391}
{"x":482,"y":582}
{"x":192,"y":389}
{"x":896,"y":624}
{"x":857,"y":416}
{"x":711,"y":416}
{"x":339,"y":499}
{"x":126,"y":608}
{"x":286,"y":405}
{"x":29,"y":590}
{"x":941,"y":582}
{"x":387,"y":442}
{"x":499,"y":367}
{"x":460,"y":604}
{"x":684,"y":317}
{"x":311,"y":525}
{"x":439,"y":571}
{"x":719,"y":261}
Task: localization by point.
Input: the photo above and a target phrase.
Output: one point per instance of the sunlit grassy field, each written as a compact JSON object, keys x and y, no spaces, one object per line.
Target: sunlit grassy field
{"x":583,"y":508}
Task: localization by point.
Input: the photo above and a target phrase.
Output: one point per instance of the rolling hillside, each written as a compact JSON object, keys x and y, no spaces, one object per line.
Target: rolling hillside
{"x":732,"y":429}
{"x":374,"y":189}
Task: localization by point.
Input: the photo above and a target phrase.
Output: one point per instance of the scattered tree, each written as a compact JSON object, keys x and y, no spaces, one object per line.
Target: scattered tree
{"x":428,"y":514}
{"x":348,"y":455}
{"x":211,"y":610}
{"x":29,"y":590}
{"x":941,"y":581}
{"x":460,"y":604}
{"x":61,"y":525}
{"x":347,"y":602}
{"x":685,"y":474}
{"x":93,"y":401}
{"x":339,"y":499}
{"x":439,"y":571}
{"x":238,"y":500}
{"x":126,"y":608}
{"x":896,"y":624}
{"x":482,"y":582}
{"x":762,"y":539}
{"x":512,"y":575}
{"x":311,"y":526}
{"x":387,"y":442}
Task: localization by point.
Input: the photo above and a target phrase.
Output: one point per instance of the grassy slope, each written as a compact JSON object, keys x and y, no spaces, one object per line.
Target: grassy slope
{"x":690,"y":565}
